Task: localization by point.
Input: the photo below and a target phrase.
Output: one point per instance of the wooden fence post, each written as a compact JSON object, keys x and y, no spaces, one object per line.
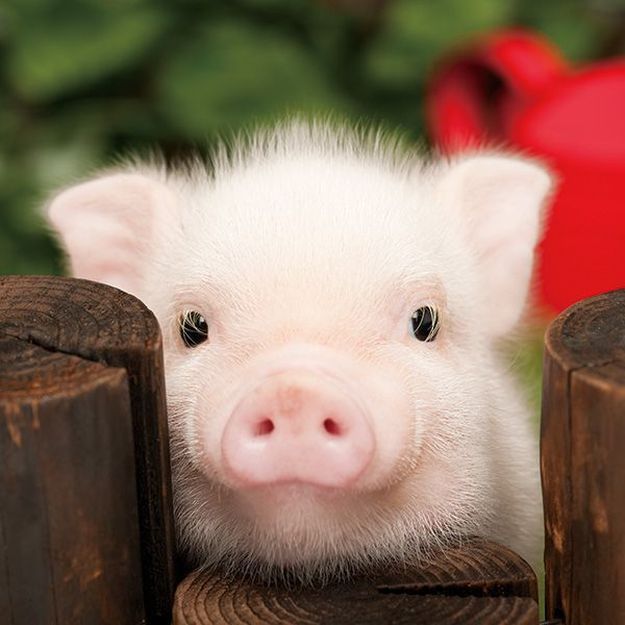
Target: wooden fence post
{"x":477,"y":582}
{"x":86,"y":527}
{"x":583,"y":462}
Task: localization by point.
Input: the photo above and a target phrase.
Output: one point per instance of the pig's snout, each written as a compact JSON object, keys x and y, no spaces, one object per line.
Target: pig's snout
{"x":297,"y":427}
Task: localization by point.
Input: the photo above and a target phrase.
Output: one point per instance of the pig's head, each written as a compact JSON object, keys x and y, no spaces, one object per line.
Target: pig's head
{"x":329,"y":309}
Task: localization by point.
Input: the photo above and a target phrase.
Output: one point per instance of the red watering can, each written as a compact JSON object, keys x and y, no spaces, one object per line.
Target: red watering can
{"x":513,"y":89}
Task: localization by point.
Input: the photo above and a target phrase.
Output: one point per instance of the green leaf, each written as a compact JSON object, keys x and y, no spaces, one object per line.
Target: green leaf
{"x":417,"y":33}
{"x":25,"y":245}
{"x":231,"y":73}
{"x":526,"y":355}
{"x":74,"y":46}
{"x":568,"y":24}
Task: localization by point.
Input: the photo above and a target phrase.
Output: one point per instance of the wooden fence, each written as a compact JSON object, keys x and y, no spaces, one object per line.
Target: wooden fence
{"x":86,"y":527}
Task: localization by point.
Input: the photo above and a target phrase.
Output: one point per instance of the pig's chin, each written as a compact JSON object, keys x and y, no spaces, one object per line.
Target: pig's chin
{"x":293,"y":531}
{"x":300,"y":532}
{"x":304,"y":520}
{"x":295,"y":509}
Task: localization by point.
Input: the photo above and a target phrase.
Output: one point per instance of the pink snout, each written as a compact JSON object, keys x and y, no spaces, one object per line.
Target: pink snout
{"x":297,"y":427}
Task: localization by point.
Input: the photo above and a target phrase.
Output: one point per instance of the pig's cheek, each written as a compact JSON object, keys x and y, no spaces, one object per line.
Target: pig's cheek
{"x":432,"y":400}
{"x":439,"y":490}
{"x":214,"y":409}
{"x":394,"y":431}
{"x":182,"y":396}
{"x":189,"y":404}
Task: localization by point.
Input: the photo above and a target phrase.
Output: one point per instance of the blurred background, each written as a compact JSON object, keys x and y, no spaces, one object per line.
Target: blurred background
{"x":84,"y":81}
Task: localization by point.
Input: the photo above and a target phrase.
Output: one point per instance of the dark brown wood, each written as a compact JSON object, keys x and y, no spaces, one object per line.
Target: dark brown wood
{"x":101,"y":324}
{"x":478,"y":582}
{"x":556,"y":483}
{"x":69,"y":540}
{"x":583,"y":462}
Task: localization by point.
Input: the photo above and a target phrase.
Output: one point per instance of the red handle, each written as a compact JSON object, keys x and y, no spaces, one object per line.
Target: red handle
{"x":474,"y":95}
{"x":526,"y":62}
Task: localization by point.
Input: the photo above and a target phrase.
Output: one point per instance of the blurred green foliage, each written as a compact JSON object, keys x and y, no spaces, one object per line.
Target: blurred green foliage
{"x":84,"y":80}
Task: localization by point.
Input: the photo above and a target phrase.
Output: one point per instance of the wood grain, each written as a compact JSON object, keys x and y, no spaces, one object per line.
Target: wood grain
{"x":101,"y":324}
{"x":583,"y":462}
{"x":478,"y":582}
{"x":69,"y":533}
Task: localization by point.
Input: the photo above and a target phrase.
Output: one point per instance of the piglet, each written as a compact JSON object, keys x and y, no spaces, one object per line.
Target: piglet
{"x":332,"y":307}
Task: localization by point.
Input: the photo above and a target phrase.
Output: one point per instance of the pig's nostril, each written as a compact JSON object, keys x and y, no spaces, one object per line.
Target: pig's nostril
{"x":265,"y":427}
{"x":332,"y":427}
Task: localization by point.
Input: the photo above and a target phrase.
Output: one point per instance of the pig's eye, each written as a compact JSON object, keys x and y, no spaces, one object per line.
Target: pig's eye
{"x":193,"y":328}
{"x":424,"y":323}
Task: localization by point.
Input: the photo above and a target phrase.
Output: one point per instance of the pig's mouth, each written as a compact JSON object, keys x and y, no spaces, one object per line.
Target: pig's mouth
{"x":295,"y":507}
{"x":291,"y":493}
{"x":314,"y":513}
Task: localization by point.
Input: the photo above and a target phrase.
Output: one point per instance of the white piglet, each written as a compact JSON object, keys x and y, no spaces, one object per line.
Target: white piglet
{"x":331,"y":307}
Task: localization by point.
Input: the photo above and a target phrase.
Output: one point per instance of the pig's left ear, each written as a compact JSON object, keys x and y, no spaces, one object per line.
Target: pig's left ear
{"x":111,"y":227}
{"x":500,"y":199}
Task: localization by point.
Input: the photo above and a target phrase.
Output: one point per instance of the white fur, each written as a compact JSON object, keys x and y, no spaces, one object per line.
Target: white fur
{"x":319,"y":235}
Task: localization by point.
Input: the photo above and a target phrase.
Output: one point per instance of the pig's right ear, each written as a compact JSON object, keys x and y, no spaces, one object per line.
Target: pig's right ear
{"x":111,"y":226}
{"x":499,"y":199}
